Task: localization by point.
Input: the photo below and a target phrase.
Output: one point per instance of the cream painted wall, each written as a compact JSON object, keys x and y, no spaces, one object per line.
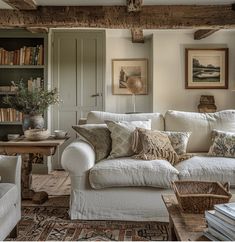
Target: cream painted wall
{"x":169,"y":71}
{"x":119,"y":45}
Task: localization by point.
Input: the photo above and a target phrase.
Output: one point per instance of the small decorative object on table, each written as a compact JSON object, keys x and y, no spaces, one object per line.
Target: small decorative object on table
{"x":207,"y":104}
{"x":60,"y":134}
{"x":198,"y":196}
{"x":36,"y":134}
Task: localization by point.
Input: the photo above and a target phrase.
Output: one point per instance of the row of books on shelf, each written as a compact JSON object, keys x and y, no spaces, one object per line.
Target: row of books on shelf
{"x":10,"y":115}
{"x":22,"y":56}
{"x":32,"y":83}
{"x":221,"y":222}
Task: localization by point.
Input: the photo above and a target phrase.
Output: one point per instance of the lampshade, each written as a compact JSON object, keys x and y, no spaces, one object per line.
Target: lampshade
{"x":134,"y":84}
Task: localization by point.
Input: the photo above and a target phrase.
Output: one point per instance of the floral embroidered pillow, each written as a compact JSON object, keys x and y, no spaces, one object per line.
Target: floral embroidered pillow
{"x":223,"y":144}
{"x":179,"y":140}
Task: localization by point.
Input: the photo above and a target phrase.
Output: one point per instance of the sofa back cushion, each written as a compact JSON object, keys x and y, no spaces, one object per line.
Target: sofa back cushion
{"x":201,"y":125}
{"x":98,"y":117}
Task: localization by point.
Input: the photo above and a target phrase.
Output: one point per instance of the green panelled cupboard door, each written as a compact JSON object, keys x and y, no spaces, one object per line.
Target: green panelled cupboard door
{"x":78,"y":74}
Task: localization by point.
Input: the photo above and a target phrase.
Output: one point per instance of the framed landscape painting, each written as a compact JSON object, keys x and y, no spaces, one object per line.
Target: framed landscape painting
{"x":122,"y":69}
{"x":206,"y":68}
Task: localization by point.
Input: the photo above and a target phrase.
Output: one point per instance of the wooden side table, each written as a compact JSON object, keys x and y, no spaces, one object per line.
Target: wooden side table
{"x":22,"y":146}
{"x":183,"y":227}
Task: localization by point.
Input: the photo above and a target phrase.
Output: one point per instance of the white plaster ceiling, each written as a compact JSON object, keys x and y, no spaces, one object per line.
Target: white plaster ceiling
{"x":121,"y":2}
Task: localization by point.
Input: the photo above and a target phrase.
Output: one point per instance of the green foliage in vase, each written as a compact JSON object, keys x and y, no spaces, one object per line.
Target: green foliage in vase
{"x":31,"y":102}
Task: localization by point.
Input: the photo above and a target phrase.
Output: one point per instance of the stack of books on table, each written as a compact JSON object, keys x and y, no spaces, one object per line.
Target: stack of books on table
{"x":221,"y":222}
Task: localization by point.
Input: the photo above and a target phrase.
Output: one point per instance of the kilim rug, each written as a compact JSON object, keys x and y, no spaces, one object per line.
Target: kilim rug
{"x":45,"y":222}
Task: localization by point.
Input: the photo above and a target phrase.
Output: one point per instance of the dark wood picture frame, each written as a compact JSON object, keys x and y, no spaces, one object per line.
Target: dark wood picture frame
{"x":206,"y":68}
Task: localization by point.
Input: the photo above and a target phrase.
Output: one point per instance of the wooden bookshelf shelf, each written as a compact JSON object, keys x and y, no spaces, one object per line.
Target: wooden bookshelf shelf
{"x":10,"y":123}
{"x":7,"y":93}
{"x":23,"y":58}
{"x":22,"y":66}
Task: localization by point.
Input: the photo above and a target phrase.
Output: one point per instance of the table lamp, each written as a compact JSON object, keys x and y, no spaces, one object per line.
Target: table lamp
{"x":135,"y":86}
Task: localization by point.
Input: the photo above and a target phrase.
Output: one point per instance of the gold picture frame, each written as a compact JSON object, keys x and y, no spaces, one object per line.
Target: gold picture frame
{"x":206,"y":68}
{"x":122,"y":69}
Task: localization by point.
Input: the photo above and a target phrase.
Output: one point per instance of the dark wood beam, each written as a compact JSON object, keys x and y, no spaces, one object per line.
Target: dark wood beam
{"x":203,"y":33}
{"x":137,"y":35}
{"x":233,"y":7}
{"x":134,"y":5}
{"x":150,"y":17}
{"x":22,"y":4}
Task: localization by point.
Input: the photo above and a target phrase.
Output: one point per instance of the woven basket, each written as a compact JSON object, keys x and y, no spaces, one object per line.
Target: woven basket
{"x":198,"y":196}
{"x":36,"y":134}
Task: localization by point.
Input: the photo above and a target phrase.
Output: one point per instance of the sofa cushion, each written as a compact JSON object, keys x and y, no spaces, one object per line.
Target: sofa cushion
{"x":205,"y":168}
{"x":179,"y":141}
{"x":155,"y":145}
{"x":223,"y":144}
{"x":8,"y":197}
{"x":123,"y":172}
{"x":201,"y":125}
{"x":98,"y":136}
{"x":98,"y":117}
{"x":121,"y":134}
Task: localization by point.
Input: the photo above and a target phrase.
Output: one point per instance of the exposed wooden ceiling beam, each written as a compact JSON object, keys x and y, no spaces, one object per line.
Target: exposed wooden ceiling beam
{"x":134,"y":5}
{"x":22,"y":4}
{"x":137,"y":35}
{"x":150,"y":17}
{"x":203,"y":33}
{"x":36,"y":30}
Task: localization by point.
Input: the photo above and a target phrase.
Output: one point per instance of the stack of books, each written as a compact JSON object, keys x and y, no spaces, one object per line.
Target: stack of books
{"x":10,"y":115}
{"x":221,"y":222}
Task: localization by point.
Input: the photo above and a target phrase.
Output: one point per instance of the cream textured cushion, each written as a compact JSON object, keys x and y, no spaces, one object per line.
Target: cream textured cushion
{"x":205,"y":168}
{"x":121,"y":134}
{"x":98,"y":135}
{"x":155,"y":145}
{"x":201,"y":125}
{"x":223,"y":144}
{"x":98,"y":117}
{"x":130,"y":172}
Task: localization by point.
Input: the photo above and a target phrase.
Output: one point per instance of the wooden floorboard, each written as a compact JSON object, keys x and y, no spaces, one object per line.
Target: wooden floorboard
{"x":56,"y":183}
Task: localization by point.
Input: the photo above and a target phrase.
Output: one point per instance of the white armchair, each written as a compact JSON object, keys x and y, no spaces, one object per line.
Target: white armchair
{"x":10,"y":195}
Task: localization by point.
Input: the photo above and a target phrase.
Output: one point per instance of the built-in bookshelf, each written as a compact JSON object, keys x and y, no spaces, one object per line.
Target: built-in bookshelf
{"x":22,"y":58}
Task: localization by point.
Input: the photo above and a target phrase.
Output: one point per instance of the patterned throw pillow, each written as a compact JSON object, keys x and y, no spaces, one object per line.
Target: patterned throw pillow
{"x":121,"y":134}
{"x":155,"y":145}
{"x":223,"y":144}
{"x":179,"y":140}
{"x":98,"y":136}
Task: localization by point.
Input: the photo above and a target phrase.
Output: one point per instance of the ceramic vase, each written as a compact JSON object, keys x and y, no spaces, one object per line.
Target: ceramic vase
{"x":33,"y":121}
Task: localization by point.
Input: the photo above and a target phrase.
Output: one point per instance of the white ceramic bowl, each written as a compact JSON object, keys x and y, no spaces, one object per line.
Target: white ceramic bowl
{"x":60,"y":134}
{"x":13,"y":136}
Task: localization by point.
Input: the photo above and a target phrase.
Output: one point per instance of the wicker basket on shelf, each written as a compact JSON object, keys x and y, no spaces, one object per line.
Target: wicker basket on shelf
{"x":198,"y":196}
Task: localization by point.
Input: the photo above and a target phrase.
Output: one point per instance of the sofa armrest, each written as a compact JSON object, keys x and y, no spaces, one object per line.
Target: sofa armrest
{"x":78,"y":157}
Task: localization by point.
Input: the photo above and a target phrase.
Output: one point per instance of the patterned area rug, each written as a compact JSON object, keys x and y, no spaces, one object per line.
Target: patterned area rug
{"x":48,"y":222}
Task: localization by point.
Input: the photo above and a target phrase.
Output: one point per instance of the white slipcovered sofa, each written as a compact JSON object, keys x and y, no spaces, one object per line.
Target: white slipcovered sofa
{"x":123,"y":188}
{"x":10,"y":195}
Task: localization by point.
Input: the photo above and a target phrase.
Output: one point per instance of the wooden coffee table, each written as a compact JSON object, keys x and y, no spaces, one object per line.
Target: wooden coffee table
{"x":32,"y":149}
{"x":183,"y":226}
